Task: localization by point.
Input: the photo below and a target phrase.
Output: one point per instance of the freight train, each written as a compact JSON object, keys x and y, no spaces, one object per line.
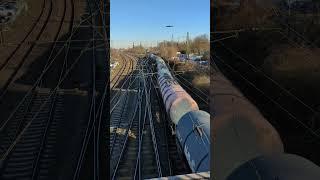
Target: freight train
{"x":192,"y":126}
{"x":245,"y":145}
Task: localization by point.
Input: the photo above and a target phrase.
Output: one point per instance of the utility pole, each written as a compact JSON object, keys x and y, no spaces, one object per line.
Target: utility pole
{"x":172,"y":45}
{"x":172,"y":38}
{"x":187,"y":42}
{"x":170,"y":26}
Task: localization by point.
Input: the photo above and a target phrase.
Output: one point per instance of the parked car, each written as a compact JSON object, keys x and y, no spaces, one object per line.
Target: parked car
{"x":204,"y":63}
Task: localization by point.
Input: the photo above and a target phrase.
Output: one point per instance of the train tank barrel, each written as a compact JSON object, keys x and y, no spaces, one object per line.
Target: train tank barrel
{"x":180,"y":106}
{"x":192,"y":126}
{"x":193,"y":133}
{"x":240,"y":132}
{"x":280,"y":166}
{"x":176,"y":100}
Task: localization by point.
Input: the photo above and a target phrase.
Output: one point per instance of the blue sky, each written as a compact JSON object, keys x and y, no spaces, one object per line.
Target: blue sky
{"x":145,"y":20}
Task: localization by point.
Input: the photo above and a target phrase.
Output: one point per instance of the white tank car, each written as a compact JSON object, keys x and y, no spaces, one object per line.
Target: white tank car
{"x":192,"y":125}
{"x":240,"y":132}
{"x":245,"y":144}
{"x":177,"y":100}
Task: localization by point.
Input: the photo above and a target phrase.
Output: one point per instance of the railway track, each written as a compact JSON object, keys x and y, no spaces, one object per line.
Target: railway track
{"x":26,"y":53}
{"x":131,"y":142}
{"x":5,"y":63}
{"x":29,"y":97}
{"x":124,"y":126}
{"x":117,"y":75}
{"x":120,"y":105}
{"x":122,"y":75}
{"x":34,"y":154}
{"x":172,"y":158}
{"x":90,"y":151}
{"x":58,"y":33}
{"x":119,"y":90}
{"x":139,"y":143}
{"x":25,"y":49}
{"x":31,"y":133}
{"x":19,"y":125}
{"x":31,"y":93}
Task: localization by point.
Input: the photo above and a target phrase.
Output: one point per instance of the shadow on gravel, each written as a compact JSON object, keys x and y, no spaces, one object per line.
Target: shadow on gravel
{"x":76,"y":93}
{"x":79,"y":77}
{"x":127,"y":80}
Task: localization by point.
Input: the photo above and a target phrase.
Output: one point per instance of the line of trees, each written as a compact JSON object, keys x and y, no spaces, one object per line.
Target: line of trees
{"x":199,"y":45}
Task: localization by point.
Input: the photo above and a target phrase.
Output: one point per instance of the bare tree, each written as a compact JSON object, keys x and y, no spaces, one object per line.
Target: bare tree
{"x":200,"y":44}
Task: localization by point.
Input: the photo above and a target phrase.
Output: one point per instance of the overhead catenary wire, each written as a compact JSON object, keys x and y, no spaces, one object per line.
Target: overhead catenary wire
{"x":269,"y":78}
{"x":292,"y":29}
{"x":269,"y":98}
{"x":61,"y":79}
{"x":93,"y":116}
{"x":41,"y":107}
{"x":154,"y":140}
{"x":197,"y":94}
{"x":40,"y":78}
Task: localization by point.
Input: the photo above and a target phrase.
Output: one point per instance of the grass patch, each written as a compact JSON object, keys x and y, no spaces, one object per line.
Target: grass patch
{"x":201,"y":81}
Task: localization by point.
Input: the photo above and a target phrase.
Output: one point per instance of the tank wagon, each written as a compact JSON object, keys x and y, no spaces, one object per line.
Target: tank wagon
{"x":192,"y":126}
{"x":245,"y":144}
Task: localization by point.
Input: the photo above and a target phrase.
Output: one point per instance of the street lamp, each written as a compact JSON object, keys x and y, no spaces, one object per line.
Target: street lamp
{"x":170,"y":26}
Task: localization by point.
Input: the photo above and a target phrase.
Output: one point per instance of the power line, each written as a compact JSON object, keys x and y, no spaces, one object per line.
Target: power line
{"x":268,"y":77}
{"x":272,"y":100}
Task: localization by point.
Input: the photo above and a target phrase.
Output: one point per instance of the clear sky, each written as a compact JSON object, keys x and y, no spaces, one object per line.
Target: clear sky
{"x":145,"y":20}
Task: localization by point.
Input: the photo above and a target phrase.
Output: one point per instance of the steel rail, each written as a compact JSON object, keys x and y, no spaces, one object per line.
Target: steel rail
{"x":117,"y":77}
{"x":92,"y":111}
{"x":30,"y":49}
{"x":125,"y":141}
{"x":32,"y":91}
{"x":35,"y":168}
{"x":9,"y":81}
{"x":137,"y":172}
{"x":41,"y":107}
{"x":3,"y":125}
{"x":124,"y":95}
{"x":128,"y":78}
{"x":114,"y":80}
{"x":159,"y":99}
{"x":155,"y":146}
{"x":25,"y":38}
